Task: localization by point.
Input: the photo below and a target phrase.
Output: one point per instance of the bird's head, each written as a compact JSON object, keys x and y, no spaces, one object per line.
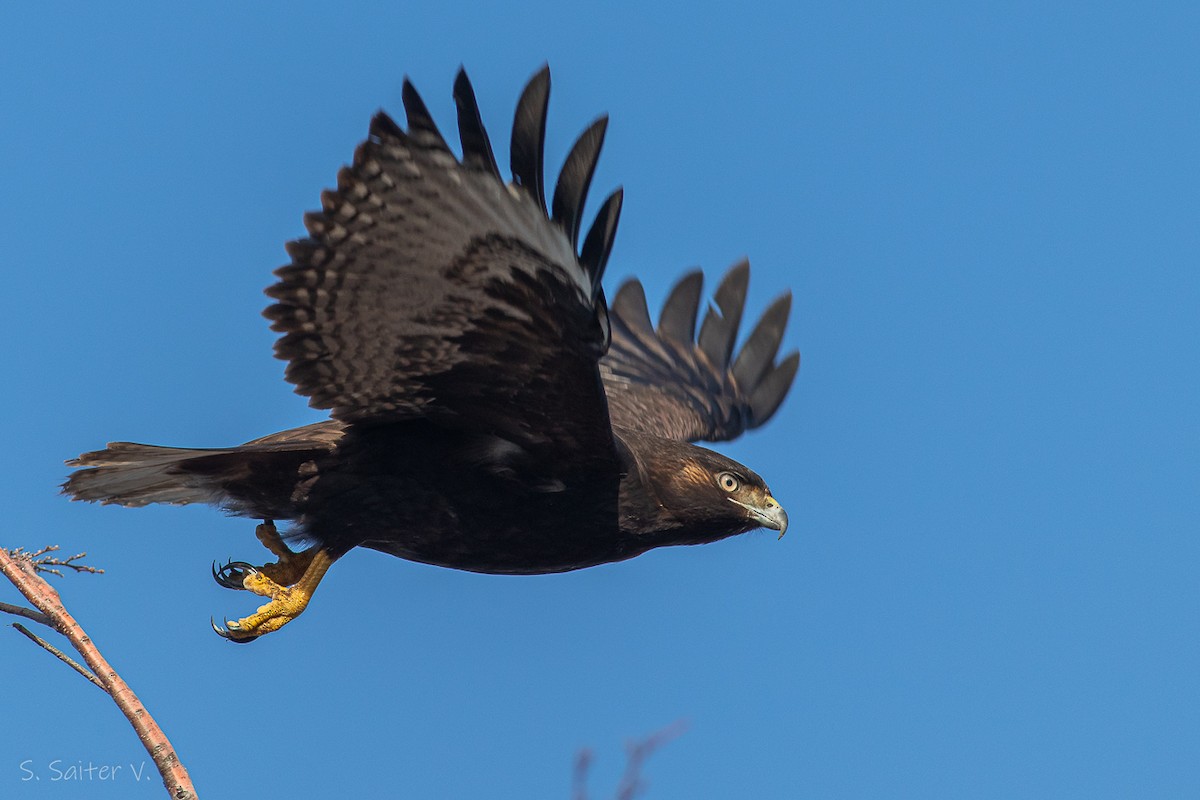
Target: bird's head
{"x":717,"y":497}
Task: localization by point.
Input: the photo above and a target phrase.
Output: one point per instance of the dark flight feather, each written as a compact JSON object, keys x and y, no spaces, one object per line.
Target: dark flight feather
{"x":678,"y":319}
{"x":720,"y":327}
{"x":630,"y":309}
{"x":529,"y":137}
{"x":576,"y":177}
{"x":477,"y":147}
{"x":766,"y":397}
{"x":668,"y":382}
{"x":597,"y":245}
{"x":759,"y":350}
{"x":421,"y":127}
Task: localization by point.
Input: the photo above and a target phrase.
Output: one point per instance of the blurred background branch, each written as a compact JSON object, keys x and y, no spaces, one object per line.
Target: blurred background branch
{"x":636,"y":753}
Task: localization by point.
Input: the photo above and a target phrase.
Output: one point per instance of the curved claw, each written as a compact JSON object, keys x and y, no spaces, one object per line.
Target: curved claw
{"x":232,"y":575}
{"x":225,"y":633}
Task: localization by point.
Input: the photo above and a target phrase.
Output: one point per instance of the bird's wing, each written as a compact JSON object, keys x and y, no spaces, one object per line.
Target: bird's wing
{"x":672,"y":382}
{"x":429,"y":288}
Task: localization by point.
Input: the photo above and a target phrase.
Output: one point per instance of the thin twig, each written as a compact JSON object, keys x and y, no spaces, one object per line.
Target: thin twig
{"x":27,"y":613}
{"x":21,"y":569}
{"x":60,"y":655}
{"x":46,"y":563}
{"x":583,"y":761}
{"x":636,"y":754}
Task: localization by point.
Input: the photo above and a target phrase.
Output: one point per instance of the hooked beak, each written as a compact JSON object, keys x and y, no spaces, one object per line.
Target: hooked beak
{"x":770,"y":515}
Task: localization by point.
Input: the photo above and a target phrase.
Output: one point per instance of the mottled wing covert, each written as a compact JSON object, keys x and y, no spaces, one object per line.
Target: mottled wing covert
{"x":675,"y":383}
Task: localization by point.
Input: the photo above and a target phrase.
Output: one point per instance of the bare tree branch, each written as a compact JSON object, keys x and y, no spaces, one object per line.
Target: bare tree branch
{"x":27,"y":613}
{"x":583,"y":762}
{"x":60,"y":655}
{"x":22,"y":568}
{"x":47,"y":563}
{"x":636,"y":754}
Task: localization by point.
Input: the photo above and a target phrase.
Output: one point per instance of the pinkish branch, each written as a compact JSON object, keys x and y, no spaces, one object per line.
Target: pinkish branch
{"x":59,"y":654}
{"x":22,"y":569}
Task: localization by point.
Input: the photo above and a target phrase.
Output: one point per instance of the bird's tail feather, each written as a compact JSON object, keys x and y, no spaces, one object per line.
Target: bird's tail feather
{"x":257,"y":479}
{"x":130,"y":474}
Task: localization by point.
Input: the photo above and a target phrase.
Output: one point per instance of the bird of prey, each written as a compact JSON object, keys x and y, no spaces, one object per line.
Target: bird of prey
{"x":489,"y":409}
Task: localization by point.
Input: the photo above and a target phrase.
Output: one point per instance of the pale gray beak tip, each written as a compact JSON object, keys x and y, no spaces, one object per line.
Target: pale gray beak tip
{"x":774,"y":517}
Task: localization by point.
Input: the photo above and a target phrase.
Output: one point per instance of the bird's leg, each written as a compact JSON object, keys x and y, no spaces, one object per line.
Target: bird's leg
{"x":287,"y":602}
{"x":288,"y":582}
{"x":291,"y":566}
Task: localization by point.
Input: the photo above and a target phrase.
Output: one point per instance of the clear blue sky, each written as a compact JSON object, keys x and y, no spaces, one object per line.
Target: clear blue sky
{"x":990,"y":219}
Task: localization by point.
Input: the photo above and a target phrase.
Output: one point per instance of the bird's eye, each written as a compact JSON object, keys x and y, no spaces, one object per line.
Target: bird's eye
{"x":729,"y":482}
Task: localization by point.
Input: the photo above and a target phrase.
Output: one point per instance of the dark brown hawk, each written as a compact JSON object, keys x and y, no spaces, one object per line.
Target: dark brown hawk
{"x":490,"y":411}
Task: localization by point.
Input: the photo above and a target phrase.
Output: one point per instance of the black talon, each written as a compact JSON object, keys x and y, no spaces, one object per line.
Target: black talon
{"x":233,"y":573}
{"x":226,"y":635}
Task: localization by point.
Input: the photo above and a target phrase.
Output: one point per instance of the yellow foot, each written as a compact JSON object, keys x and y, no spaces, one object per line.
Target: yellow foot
{"x":289,"y":583}
{"x":287,"y":571}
